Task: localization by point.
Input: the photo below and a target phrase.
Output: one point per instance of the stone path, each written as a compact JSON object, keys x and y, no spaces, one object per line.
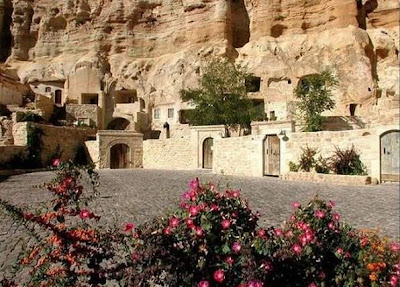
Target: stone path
{"x":139,"y":195}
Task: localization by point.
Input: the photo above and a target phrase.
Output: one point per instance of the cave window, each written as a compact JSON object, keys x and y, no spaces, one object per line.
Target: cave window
{"x":47,"y":89}
{"x":289,"y":81}
{"x":58,"y":97}
{"x":184,"y":117}
{"x":125,"y":97}
{"x":253,"y":84}
{"x":272,"y":116}
{"x":157,"y":114}
{"x":369,"y":89}
{"x":353,"y":109}
{"x":170,"y":113}
{"x":91,"y":99}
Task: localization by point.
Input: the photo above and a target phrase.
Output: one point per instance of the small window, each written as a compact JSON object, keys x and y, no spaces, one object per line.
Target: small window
{"x":253,"y":84}
{"x":170,"y":113}
{"x":272,"y":116}
{"x":156,"y":113}
{"x":58,"y":97}
{"x":47,"y":89}
{"x":353,"y":109}
{"x":184,"y":117}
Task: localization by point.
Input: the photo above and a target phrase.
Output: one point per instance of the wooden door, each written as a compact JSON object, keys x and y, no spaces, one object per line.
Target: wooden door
{"x":272,"y":155}
{"x":58,"y":97}
{"x":208,"y":153}
{"x":390,"y":167}
{"x":119,"y":156}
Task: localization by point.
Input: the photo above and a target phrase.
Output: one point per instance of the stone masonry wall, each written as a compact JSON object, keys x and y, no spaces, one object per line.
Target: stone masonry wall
{"x":238,"y":156}
{"x":7,"y":152}
{"x":173,"y":153}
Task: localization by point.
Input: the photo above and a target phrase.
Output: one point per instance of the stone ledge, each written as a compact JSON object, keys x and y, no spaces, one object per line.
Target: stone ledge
{"x":328,"y":178}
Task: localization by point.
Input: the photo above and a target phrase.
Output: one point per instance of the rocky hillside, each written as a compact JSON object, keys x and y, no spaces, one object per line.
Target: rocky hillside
{"x":157,"y":46}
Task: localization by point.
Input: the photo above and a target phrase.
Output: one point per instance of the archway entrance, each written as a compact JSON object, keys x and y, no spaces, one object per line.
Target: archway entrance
{"x":272,"y":155}
{"x":390,"y":167}
{"x":119,"y":124}
{"x":208,"y":153}
{"x":119,"y":156}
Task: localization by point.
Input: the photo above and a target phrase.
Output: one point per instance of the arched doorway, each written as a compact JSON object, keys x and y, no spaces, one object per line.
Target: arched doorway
{"x":272,"y":155}
{"x":208,"y":153}
{"x":120,"y":124}
{"x":390,"y":167}
{"x":119,"y":155}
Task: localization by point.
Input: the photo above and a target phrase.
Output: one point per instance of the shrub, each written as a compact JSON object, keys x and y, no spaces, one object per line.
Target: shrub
{"x":347,"y":161}
{"x":307,"y":160}
{"x":31,"y":117}
{"x":322,"y":165}
{"x":293,"y":167}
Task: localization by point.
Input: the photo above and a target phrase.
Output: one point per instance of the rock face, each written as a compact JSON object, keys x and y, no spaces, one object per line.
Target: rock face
{"x":157,"y":47}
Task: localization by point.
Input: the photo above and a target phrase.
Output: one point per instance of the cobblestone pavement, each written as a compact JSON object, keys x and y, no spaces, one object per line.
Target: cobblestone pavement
{"x":139,"y":195}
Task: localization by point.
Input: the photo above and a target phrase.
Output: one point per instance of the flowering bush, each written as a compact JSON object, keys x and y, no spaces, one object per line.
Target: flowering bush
{"x":212,"y":239}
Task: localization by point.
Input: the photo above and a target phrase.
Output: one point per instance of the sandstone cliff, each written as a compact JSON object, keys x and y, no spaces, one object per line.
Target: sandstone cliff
{"x":156,"y":47}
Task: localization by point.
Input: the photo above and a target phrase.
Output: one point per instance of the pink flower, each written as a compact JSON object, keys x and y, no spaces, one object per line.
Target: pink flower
{"x":303,"y":239}
{"x":129,"y":227}
{"x":255,"y":283}
{"x":174,"y":222}
{"x":261,"y":233}
{"x":236,"y":193}
{"x":278,"y":231}
{"x":331,"y":225}
{"x":296,"y":248}
{"x":336,"y":216}
{"x":395,"y":247}
{"x":194,"y":210}
{"x":319,"y":213}
{"x":339,"y":251}
{"x":186,"y":196}
{"x":229,"y":260}
{"x":295,"y":204}
{"x":203,"y":283}
{"x":84,"y":214}
{"x":226,"y":223}
{"x":309,"y":235}
{"x":394,"y":280}
{"x":289,"y":234}
{"x":322,"y":275}
{"x":199,"y":231}
{"x":219,"y":275}
{"x":189,"y":223}
{"x":56,"y":162}
{"x":235,"y":214}
{"x":212,"y":186}
{"x":236,"y":247}
{"x":194,"y":183}
{"x":312,"y":285}
{"x":167,"y":231}
{"x":331,"y":203}
{"x":267,"y":266}
{"x":134,"y":256}
{"x":214,"y":207}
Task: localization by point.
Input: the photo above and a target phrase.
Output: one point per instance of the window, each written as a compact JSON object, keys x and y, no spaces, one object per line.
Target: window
{"x":58,"y":97}
{"x":272,"y":116}
{"x":353,"y":109}
{"x":91,"y":99}
{"x":184,"y":116}
{"x":253,"y":84}
{"x":170,"y":113}
{"x":47,"y":89}
{"x":156,"y":113}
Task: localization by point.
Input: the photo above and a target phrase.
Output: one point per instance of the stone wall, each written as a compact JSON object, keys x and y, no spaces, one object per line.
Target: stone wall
{"x":88,"y":114}
{"x":173,"y":154}
{"x":92,"y":147}
{"x":7,"y":152}
{"x":65,"y":139}
{"x":328,"y":178}
{"x":239,"y":156}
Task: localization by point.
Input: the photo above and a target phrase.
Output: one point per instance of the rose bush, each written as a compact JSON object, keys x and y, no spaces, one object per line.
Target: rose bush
{"x":212,"y":239}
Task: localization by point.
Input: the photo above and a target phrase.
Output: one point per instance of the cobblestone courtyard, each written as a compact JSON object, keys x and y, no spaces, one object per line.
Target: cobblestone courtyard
{"x":139,"y":195}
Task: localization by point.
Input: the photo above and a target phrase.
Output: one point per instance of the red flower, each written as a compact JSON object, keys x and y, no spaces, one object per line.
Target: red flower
{"x":203,"y":283}
{"x":84,"y":214}
{"x":255,"y":283}
{"x":261,"y":233}
{"x":295,"y":204}
{"x":174,"y":222}
{"x":296,"y":248}
{"x":236,"y":247}
{"x":226,"y":223}
{"x":278,"y":231}
{"x":336,"y":216}
{"x":194,"y":210}
{"x":199,"y":231}
{"x":267,"y":266}
{"x":229,"y":260}
{"x":331,"y":203}
{"x":319,"y":213}
{"x":312,"y":285}
{"x":219,"y":275}
{"x":129,"y":227}
{"x":194,"y":183}
{"x":134,"y":256}
{"x":56,"y":162}
{"x":167,"y":231}
{"x":189,"y":223}
{"x":214,"y":207}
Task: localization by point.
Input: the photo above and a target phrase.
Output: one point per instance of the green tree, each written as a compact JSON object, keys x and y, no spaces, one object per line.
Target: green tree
{"x":315,"y":96}
{"x":221,"y":97}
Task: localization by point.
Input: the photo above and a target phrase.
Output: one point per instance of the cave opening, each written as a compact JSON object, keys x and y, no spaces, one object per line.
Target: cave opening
{"x":240,"y":24}
{"x":6,"y":11}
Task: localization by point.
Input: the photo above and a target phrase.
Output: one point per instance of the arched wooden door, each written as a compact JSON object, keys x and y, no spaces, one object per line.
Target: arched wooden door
{"x":272,"y":155}
{"x":208,"y":153}
{"x":390,"y":167}
{"x":119,"y":154}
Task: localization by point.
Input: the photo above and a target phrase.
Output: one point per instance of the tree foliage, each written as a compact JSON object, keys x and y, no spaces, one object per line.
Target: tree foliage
{"x":315,"y":96}
{"x":221,"y":97}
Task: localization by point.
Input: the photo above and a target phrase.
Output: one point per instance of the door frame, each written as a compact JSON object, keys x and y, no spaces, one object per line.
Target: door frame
{"x":203,"y":153}
{"x":263,"y":154}
{"x":380,"y":150}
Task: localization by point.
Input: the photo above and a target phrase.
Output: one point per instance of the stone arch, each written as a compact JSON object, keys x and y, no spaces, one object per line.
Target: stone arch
{"x":207,"y":152}
{"x":119,"y":124}
{"x":119,"y":154}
